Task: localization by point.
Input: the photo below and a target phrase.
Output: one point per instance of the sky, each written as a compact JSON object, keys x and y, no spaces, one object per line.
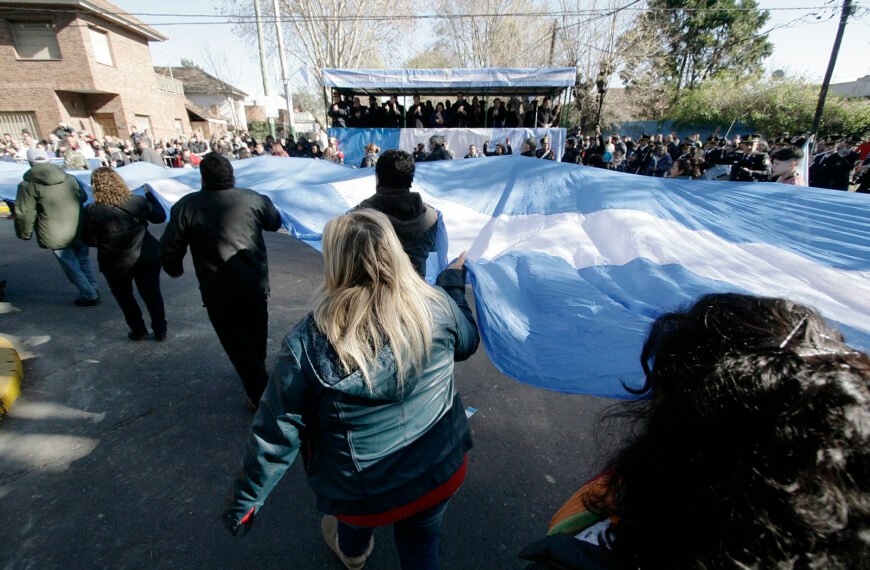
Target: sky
{"x":802,"y":40}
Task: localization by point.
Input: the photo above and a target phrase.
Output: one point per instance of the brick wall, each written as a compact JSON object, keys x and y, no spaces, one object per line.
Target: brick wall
{"x":64,"y":90}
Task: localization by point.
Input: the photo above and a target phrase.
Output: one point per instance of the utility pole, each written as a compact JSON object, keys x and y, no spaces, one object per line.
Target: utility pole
{"x":267,"y":91}
{"x":553,"y":42}
{"x":284,"y":77}
{"x":823,"y":94}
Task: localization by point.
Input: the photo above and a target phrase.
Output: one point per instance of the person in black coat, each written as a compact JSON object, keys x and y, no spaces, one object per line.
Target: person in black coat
{"x":460,"y":112}
{"x":223,"y":226}
{"x":572,"y":153}
{"x":116,"y":223}
{"x":394,"y":113}
{"x":750,"y":165}
{"x":417,"y":116}
{"x":834,"y":169}
{"x":339,"y":116}
{"x":356,"y":117}
{"x":414,"y":221}
{"x":496,"y":115}
{"x":374,"y":119}
{"x":437,"y":149}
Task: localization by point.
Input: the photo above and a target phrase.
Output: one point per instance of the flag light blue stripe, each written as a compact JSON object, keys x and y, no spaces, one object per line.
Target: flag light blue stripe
{"x":543,"y":321}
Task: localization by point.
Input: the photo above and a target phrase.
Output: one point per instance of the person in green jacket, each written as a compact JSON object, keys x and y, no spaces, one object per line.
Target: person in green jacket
{"x":49,"y":202}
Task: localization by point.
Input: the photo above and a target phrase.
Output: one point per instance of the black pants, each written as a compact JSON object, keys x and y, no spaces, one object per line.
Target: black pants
{"x":146,"y":274}
{"x":242,"y":328}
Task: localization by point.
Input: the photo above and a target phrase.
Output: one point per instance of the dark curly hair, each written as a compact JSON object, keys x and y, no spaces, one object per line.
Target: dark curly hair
{"x":689,"y":167}
{"x":752,"y":448}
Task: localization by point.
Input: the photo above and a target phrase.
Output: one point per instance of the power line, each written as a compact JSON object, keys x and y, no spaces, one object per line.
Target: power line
{"x":248,"y":18}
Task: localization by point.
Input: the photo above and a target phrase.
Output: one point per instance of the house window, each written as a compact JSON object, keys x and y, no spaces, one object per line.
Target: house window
{"x":179,"y":126}
{"x":100,"y":45}
{"x":142,"y":122}
{"x":35,"y":40}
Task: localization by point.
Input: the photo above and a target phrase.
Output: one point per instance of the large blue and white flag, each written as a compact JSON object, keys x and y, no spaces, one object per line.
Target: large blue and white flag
{"x":570,"y":265}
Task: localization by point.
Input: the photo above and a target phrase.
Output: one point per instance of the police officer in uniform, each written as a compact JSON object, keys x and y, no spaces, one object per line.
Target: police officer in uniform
{"x":782,"y":141}
{"x":642,"y":160}
{"x":750,"y":165}
{"x":821,"y":153}
{"x":834,"y":169}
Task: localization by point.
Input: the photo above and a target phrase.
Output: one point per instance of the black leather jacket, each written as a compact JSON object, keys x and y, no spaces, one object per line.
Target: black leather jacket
{"x":224,"y":229}
{"x":120,"y":233}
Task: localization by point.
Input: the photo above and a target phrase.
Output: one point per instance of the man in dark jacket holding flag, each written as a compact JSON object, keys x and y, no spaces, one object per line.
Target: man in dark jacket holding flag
{"x":223,"y":226}
{"x":49,"y":202}
{"x":415,"y":222}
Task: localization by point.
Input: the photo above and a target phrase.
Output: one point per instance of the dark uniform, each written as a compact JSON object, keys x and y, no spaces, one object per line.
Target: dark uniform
{"x":833,"y":169}
{"x":750,"y":166}
{"x":864,"y":177}
{"x":642,"y":159}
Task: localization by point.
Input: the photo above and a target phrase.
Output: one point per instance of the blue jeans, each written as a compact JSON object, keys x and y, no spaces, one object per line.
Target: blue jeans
{"x":416,"y":538}
{"x":75,"y":261}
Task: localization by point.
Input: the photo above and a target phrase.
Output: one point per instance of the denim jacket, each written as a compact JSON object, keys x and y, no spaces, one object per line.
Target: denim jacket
{"x":365,"y":451}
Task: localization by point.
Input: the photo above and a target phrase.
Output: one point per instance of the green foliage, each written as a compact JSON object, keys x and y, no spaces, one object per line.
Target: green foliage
{"x":258,"y":129}
{"x":186,"y":62}
{"x":769,"y":106}
{"x":677,"y":44}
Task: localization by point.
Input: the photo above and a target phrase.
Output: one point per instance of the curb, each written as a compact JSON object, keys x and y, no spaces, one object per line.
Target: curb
{"x":11,"y":375}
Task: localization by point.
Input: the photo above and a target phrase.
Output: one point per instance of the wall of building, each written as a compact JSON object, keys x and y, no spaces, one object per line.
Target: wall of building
{"x":29,"y":85}
{"x":219,"y":105}
{"x":76,"y":87}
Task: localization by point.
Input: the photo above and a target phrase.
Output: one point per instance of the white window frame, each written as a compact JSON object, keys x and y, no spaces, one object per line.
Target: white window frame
{"x":95,"y":32}
{"x":18,"y":26}
{"x":142,"y":122}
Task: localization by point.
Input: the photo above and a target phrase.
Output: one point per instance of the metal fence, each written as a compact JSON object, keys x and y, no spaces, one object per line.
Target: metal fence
{"x":14,"y":122}
{"x":169,"y":84}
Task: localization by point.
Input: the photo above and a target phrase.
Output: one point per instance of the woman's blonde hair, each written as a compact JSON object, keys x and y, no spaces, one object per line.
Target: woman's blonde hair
{"x":372,"y":148}
{"x":372,"y":296}
{"x":108,"y":187}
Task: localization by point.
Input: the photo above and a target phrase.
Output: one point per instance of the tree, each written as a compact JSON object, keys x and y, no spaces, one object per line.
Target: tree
{"x":490,"y":33}
{"x":769,"y":106}
{"x":588,"y":33}
{"x":329,"y":34}
{"x":186,"y":62}
{"x":429,"y":59}
{"x":697,"y":39}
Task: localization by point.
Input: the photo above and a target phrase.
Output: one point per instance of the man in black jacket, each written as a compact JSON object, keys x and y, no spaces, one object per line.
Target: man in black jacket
{"x":223,"y":226}
{"x":437,"y":149}
{"x":415,"y":222}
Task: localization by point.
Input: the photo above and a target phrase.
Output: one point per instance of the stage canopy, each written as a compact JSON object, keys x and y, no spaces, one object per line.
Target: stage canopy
{"x":443,"y":82}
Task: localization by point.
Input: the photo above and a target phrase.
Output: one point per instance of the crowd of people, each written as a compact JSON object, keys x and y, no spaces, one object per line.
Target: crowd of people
{"x":750,"y":442}
{"x":835,"y":165}
{"x":77,"y":150}
{"x":349,"y":112}
{"x":750,"y":158}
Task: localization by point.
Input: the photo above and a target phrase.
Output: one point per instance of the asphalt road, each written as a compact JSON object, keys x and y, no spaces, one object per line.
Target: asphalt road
{"x":118,"y":454}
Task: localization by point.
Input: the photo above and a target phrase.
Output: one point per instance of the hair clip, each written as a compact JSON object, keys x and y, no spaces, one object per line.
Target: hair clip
{"x":793,"y":332}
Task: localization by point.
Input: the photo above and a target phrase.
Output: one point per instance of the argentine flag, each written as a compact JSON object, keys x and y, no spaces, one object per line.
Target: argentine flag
{"x":570,"y":265}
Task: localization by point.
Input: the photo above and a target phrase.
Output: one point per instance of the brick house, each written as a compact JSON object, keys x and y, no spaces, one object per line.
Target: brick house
{"x":86,"y":63}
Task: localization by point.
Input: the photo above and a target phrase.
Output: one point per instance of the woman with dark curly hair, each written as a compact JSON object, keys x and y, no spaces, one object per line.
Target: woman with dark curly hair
{"x":751,"y":450}
{"x":117,"y":225}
